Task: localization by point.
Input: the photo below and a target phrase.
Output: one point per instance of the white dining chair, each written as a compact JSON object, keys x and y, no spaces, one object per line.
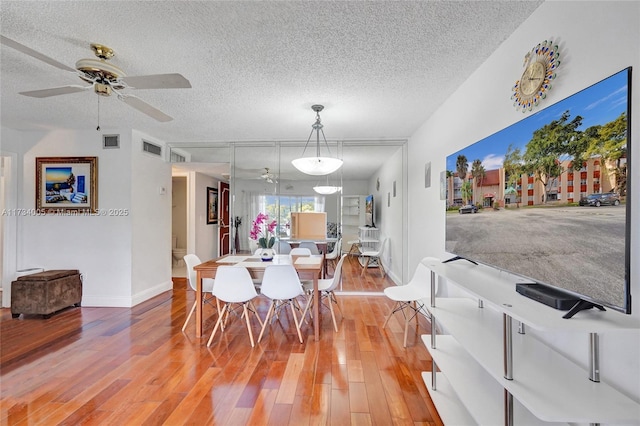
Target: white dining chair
{"x":300,"y":251}
{"x":412,"y":297}
{"x":233,"y":285}
{"x":281,"y":284}
{"x":369,"y":256}
{"x":326,"y":290}
{"x":313,"y":247}
{"x":282,"y":247}
{"x":190,"y":261}
{"x":333,"y":255}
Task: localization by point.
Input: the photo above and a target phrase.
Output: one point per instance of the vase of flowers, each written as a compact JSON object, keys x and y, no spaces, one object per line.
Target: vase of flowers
{"x":262,"y":231}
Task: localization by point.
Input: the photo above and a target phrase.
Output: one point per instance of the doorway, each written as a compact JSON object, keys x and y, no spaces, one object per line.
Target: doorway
{"x":179,"y":212}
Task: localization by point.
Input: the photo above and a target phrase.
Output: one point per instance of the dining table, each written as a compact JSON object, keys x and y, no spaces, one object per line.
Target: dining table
{"x":308,"y":267}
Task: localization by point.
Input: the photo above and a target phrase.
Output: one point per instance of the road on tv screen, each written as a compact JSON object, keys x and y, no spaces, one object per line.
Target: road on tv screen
{"x":577,"y":248}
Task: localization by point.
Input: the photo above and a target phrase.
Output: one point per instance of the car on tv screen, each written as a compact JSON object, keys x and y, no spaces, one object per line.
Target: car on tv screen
{"x":597,"y":200}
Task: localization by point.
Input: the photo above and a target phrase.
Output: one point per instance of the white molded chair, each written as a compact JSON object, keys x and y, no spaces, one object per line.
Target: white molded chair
{"x":412,"y":297}
{"x":326,"y":288}
{"x":282,"y":285}
{"x":282,"y":247}
{"x":370,"y":256}
{"x":313,"y":247}
{"x":333,"y":255}
{"x":233,"y":285}
{"x":192,"y":260}
{"x":300,"y":251}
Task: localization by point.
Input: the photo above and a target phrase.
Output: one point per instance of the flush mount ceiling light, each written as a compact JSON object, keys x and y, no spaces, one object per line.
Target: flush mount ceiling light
{"x":317,"y":166}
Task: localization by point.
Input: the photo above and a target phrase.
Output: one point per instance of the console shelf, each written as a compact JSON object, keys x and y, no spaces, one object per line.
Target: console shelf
{"x":545,"y":386}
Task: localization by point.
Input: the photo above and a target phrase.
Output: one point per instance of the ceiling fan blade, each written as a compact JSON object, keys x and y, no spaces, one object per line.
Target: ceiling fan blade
{"x":28,"y":51}
{"x":145,"y":108}
{"x":55,"y":91}
{"x":157,"y":81}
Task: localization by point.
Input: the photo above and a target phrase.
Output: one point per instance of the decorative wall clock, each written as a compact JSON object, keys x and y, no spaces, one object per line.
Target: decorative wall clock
{"x":540,"y":66}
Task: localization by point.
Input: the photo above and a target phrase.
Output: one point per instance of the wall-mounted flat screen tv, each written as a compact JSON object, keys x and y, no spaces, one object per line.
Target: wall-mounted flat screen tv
{"x":548,"y":198}
{"x":368,"y":211}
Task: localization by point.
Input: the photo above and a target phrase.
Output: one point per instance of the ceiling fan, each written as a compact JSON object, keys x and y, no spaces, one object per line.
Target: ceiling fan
{"x":105,"y":79}
{"x":268,"y":176}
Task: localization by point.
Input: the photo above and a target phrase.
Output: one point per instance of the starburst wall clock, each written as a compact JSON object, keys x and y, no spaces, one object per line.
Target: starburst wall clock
{"x":540,"y":66}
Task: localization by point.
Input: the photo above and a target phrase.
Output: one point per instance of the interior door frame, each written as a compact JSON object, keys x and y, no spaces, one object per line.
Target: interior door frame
{"x":224,"y":227}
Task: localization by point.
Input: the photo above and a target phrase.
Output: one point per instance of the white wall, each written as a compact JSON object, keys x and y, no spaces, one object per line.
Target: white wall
{"x":203,"y":239}
{"x":179,"y":210}
{"x":150,"y":221}
{"x":596,"y":40}
{"x":103,"y":248}
{"x":388,"y":216}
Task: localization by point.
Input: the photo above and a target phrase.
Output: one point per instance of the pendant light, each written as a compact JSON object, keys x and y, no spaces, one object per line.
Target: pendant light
{"x":318,"y":165}
{"x":327,"y":189}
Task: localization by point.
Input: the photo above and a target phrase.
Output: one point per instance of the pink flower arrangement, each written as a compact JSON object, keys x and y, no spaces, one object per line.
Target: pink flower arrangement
{"x":262,"y":230}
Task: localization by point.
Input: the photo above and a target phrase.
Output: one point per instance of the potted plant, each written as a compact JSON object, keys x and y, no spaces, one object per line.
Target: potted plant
{"x":262,"y":231}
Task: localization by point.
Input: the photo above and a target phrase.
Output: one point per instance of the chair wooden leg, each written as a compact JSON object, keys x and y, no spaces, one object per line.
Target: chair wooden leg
{"x":213,"y":333}
{"x":193,"y":308}
{"x":266,"y":320}
{"x":295,"y":320}
{"x":246,"y":317}
{"x":382,"y":271}
{"x":333,"y":315}
{"x":308,"y":307}
{"x":255,"y":311}
{"x":406,"y":329}
{"x":366,"y":265}
{"x":393,"y":310}
{"x":335,"y":299}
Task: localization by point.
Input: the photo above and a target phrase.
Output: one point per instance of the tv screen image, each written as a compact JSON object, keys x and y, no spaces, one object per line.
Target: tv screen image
{"x":368,"y":211}
{"x":549,"y":197}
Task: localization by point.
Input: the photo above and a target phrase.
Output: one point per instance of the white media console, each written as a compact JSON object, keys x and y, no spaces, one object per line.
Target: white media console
{"x":490,"y":372}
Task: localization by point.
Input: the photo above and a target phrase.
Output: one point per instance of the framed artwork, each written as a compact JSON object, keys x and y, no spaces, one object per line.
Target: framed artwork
{"x":443,"y":185}
{"x":427,"y":174}
{"x":67,"y":184}
{"x":212,"y":206}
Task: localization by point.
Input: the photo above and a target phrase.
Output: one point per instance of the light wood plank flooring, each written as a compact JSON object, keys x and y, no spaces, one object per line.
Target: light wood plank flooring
{"x":120,"y":366}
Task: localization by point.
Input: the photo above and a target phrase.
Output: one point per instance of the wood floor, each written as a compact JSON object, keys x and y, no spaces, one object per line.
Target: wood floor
{"x":121,"y":366}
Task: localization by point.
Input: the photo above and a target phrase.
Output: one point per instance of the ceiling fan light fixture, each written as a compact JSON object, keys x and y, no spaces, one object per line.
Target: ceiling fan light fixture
{"x":318,"y":165}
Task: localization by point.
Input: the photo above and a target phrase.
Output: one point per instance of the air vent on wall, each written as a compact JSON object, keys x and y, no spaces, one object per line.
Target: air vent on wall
{"x":177,"y":158}
{"x":151,"y":148}
{"x":110,"y":141}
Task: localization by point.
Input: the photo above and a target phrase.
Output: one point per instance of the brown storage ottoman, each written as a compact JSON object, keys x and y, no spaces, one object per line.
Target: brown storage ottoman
{"x":46,"y":292}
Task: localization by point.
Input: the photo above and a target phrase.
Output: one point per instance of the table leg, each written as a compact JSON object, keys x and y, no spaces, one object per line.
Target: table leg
{"x":316,"y":309}
{"x":199,"y":304}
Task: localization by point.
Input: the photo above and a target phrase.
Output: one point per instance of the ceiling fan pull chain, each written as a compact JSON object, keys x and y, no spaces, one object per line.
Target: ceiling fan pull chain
{"x":98,"y":128}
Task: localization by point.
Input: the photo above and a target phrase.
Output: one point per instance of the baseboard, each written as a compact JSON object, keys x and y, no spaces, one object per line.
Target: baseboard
{"x":151,"y":292}
{"x":126,"y":302}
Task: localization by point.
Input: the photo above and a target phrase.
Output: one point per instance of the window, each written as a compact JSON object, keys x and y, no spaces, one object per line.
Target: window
{"x":280,"y":208}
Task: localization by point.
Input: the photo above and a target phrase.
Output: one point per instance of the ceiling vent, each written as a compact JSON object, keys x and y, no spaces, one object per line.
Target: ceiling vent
{"x":152,"y":148}
{"x":110,"y":141}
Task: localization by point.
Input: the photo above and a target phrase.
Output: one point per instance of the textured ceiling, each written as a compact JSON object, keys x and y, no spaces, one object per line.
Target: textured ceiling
{"x":380,"y":68}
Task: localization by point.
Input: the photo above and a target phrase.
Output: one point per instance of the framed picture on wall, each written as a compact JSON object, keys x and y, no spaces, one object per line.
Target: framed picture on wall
{"x":212,"y":206}
{"x":67,"y":185}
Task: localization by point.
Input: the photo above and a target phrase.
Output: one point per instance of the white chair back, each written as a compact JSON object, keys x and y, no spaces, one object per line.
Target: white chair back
{"x":233,"y":284}
{"x":281,"y":282}
{"x":337,"y":274}
{"x":300,"y":251}
{"x":282,"y":247}
{"x":337,"y":249}
{"x":191,"y":260}
{"x":310,"y":245}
